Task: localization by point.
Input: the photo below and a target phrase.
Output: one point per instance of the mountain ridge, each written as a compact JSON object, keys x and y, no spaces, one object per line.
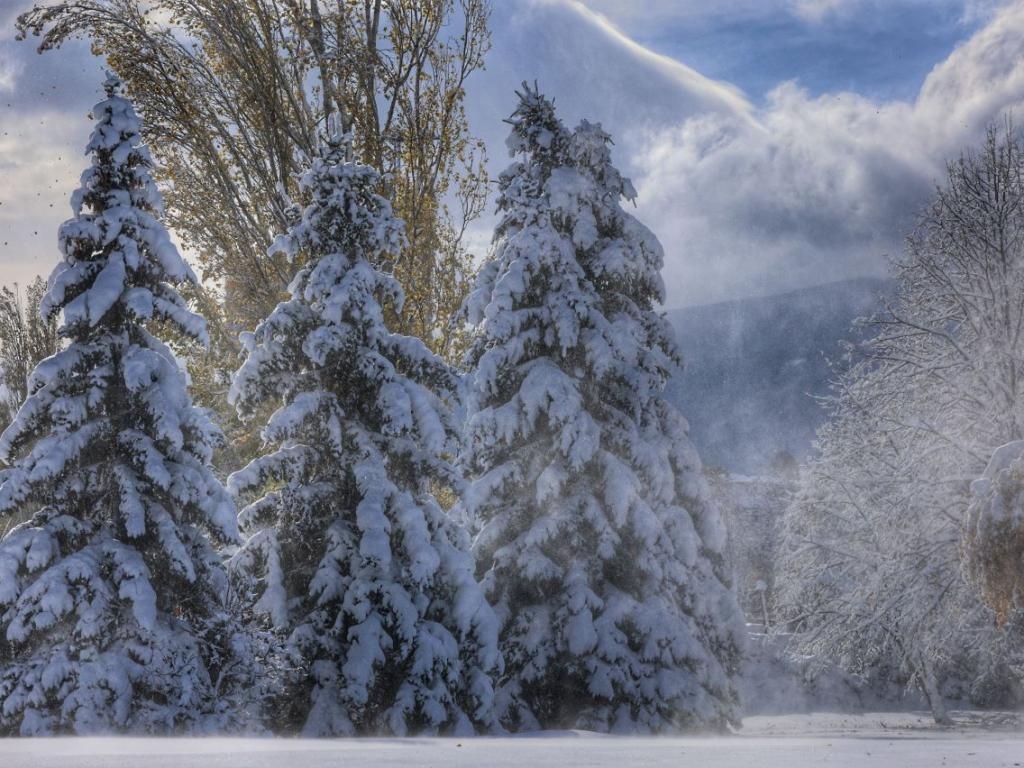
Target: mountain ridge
{"x":753,"y":368}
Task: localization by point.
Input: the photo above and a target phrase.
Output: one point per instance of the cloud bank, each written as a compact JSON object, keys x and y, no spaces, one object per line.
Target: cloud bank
{"x":44,"y":107}
{"x":662,"y":12}
{"x":830,"y":186}
{"x":801,"y":190}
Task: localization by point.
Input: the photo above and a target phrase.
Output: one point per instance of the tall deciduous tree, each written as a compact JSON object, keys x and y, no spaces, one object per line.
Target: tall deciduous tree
{"x":231,"y":88}
{"x":350,"y":557}
{"x":112,"y":609}
{"x":596,"y":542}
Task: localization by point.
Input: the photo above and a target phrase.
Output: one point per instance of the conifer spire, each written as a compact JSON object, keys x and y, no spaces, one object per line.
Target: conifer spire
{"x":597,"y":543}
{"x":350,"y":558}
{"x":111,"y":593}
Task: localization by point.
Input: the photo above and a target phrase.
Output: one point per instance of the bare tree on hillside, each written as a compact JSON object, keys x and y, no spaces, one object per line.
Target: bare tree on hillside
{"x":234,"y":92}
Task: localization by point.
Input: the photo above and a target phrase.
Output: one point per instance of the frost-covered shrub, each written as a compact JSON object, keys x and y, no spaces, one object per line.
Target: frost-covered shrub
{"x":872,"y":570}
{"x":994,"y":538}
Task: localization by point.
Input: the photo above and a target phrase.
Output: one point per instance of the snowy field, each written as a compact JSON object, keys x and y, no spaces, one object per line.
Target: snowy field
{"x":883,"y":740}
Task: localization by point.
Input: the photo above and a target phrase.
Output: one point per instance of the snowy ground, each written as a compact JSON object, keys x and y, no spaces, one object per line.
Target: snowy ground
{"x":886,"y":740}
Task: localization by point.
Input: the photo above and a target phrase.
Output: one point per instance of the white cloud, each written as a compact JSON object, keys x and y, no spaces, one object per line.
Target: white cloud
{"x":680,"y":75}
{"x":657,"y":13}
{"x":37,"y":175}
{"x":816,"y":10}
{"x":10,"y":69}
{"x":43,"y":130}
{"x":803,"y":190}
{"x":829,"y":186}
{"x":624,"y":12}
{"x":591,"y":68}
{"x":982,"y":10}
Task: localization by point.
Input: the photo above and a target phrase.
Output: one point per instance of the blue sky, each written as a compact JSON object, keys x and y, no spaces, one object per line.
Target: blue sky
{"x":774,"y":143}
{"x":880,"y":53}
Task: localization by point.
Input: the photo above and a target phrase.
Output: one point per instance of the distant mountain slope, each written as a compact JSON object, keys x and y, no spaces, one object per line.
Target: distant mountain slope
{"x":754,"y":366}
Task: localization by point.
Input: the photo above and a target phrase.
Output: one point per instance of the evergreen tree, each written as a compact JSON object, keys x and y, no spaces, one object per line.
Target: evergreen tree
{"x":350,"y":557}
{"x":596,"y":541}
{"x":111,"y":594}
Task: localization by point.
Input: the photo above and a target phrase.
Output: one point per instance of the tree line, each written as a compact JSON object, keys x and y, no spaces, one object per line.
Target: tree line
{"x":411,"y":549}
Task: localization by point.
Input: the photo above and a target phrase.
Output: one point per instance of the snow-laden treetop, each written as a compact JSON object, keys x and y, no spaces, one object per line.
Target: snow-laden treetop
{"x":118,"y":258}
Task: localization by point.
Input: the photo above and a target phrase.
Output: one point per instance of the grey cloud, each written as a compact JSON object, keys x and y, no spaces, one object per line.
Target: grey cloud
{"x":660,"y":12}
{"x":829,"y":187}
{"x":44,"y":105}
{"x":592,"y":70}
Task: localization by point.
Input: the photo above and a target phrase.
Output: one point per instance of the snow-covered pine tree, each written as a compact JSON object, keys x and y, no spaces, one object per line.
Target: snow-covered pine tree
{"x":111,"y":594}
{"x":596,"y":541}
{"x":349,"y":556}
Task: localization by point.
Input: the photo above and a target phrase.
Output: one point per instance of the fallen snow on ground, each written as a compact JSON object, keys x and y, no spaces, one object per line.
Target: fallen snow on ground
{"x":880,"y":725}
{"x":881,"y":740}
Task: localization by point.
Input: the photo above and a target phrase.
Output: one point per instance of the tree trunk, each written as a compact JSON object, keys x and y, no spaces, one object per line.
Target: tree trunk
{"x":930,"y":688}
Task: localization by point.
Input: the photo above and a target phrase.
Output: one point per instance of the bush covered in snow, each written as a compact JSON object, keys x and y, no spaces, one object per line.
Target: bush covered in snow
{"x":995,"y":531}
